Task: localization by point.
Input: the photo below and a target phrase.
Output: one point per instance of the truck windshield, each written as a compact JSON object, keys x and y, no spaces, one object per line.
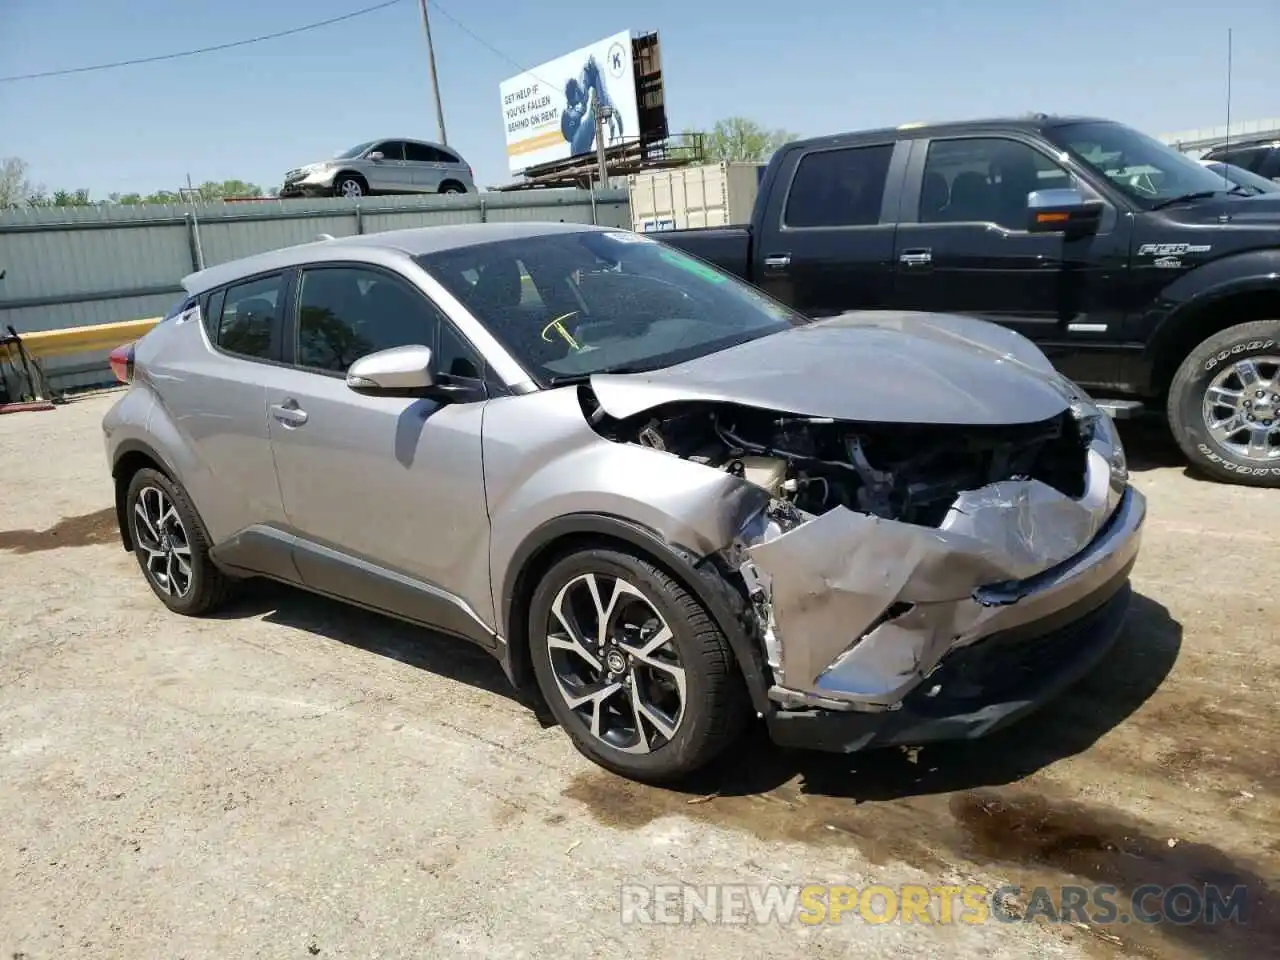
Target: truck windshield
{"x":1145,"y":169}
{"x":567,"y":305}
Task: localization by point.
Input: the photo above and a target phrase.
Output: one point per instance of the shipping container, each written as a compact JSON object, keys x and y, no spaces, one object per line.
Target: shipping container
{"x":714,"y":195}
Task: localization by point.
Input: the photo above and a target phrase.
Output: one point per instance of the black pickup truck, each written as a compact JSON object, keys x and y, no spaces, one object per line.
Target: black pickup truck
{"x":1146,"y":278}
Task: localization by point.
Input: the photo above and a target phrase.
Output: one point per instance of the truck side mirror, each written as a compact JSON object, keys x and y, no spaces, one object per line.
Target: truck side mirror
{"x":1062,"y":210}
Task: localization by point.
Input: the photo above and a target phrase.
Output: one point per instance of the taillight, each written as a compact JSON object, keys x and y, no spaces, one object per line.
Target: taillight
{"x":121,"y":360}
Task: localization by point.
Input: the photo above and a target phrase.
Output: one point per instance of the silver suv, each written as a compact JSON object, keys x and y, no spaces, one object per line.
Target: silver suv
{"x":663,"y":501}
{"x":383,"y":166}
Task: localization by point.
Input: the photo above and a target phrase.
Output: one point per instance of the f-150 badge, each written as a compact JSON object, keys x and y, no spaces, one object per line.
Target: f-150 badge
{"x":1168,"y":255}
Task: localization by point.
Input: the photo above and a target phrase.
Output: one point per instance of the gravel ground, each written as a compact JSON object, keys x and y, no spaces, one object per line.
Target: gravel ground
{"x":298,"y":779}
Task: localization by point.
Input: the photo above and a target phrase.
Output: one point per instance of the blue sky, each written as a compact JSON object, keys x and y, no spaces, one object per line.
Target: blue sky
{"x":812,"y":67}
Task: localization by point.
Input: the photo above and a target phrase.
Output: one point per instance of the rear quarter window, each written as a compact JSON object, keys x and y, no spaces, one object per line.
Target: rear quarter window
{"x":839,"y":188}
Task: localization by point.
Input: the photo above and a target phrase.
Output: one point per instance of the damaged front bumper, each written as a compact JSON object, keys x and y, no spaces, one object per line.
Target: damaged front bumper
{"x":882,"y":633}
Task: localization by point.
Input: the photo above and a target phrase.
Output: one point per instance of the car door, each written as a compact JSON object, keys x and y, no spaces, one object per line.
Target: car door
{"x":221,"y":410}
{"x":385,"y":494}
{"x":963,"y":246}
{"x":391,"y":174}
{"x":826,"y":245}
{"x":425,"y":166}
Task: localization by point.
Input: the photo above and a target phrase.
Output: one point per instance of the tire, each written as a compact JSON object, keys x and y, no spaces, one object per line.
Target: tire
{"x":350,"y":186}
{"x":1215,"y":370}
{"x":715,"y":706}
{"x":450,"y":186}
{"x":204,"y":587}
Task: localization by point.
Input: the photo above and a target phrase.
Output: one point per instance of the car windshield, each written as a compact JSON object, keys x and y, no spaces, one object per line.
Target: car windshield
{"x":1246,"y":178}
{"x":1147,"y":170}
{"x":354,"y":152}
{"x":567,"y":305}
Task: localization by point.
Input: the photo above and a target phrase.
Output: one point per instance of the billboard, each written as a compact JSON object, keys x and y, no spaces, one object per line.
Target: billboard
{"x":549,"y":112}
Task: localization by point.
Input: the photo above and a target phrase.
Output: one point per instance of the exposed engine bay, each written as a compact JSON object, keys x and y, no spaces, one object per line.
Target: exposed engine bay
{"x":885,"y":545}
{"x":908,"y":473}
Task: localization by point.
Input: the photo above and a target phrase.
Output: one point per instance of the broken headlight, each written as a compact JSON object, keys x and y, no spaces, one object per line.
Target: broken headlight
{"x":1101,"y":434}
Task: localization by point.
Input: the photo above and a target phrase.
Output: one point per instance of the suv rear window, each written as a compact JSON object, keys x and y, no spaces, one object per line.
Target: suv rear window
{"x":839,"y":188}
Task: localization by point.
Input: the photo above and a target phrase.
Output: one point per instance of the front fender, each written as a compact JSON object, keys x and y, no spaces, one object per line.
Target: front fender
{"x":1197,"y":291}
{"x":542,"y":461}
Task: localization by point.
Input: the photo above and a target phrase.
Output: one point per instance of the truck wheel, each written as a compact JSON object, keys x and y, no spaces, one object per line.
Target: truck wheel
{"x":1224,"y":405}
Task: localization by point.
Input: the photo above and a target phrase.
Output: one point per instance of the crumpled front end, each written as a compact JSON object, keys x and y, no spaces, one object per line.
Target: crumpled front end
{"x":887,"y":549}
{"x":859,"y":610}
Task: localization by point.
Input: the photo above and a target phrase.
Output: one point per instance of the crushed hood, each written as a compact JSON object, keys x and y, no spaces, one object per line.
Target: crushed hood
{"x":884,"y":367}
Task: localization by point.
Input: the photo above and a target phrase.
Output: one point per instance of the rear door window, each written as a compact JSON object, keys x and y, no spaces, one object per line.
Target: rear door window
{"x":839,"y":188}
{"x":420,"y":153}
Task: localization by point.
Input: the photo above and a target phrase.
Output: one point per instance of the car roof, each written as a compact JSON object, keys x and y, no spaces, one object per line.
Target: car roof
{"x":425,"y":143}
{"x":412,"y":242}
{"x":1030,"y":123}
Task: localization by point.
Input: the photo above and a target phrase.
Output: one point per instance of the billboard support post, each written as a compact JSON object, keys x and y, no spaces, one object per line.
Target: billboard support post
{"x":603,"y":113}
{"x":435,"y":82}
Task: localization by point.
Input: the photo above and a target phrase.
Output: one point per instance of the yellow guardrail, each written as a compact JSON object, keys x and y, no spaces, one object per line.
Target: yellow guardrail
{"x":91,"y":339}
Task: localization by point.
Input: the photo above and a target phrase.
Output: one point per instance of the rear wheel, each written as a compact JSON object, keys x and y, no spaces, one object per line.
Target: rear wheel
{"x":171,"y":545}
{"x":1224,"y":404}
{"x":452,"y":186}
{"x":635,"y":670}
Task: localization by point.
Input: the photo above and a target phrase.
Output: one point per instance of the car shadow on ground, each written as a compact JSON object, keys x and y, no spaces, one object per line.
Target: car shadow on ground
{"x":1143,"y":655}
{"x":1149,"y":445}
{"x":438,"y":653}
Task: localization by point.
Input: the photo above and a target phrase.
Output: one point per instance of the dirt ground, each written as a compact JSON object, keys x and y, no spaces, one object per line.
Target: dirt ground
{"x":298,"y":779}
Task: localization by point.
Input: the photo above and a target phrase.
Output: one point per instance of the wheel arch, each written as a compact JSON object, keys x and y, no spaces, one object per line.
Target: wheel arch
{"x":452,"y":182}
{"x":354,"y":175}
{"x":1210,"y":309}
{"x":130,"y":457}
{"x":703,"y":577}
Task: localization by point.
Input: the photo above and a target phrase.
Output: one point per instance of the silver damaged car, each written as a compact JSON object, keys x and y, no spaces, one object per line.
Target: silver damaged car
{"x":664,"y":502}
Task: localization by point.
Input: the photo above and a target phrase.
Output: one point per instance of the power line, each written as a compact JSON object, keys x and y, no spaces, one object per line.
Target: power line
{"x":192,"y":53}
{"x":476,"y":37}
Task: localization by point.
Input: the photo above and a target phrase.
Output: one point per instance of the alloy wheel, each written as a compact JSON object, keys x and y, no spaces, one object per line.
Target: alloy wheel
{"x":615,"y":663}
{"x":1242,"y":408}
{"x":159,"y":532}
{"x":351,"y":189}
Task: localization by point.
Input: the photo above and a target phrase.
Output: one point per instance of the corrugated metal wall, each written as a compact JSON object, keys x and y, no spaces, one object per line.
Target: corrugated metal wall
{"x":75,"y":266}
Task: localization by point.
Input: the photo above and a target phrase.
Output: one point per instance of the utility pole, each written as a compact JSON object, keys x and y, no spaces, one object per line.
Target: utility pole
{"x":431,"y":61}
{"x":603,"y":114}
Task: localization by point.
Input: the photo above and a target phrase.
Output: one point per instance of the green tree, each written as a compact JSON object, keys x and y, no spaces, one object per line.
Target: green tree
{"x":740,"y":139}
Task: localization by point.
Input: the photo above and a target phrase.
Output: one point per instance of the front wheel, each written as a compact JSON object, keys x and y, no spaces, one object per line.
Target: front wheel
{"x":1224,"y":404}
{"x":352,"y":188}
{"x":633,"y":668}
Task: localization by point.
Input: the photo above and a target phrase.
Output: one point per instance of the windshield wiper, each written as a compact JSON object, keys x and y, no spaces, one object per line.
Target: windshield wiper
{"x":560,"y":379}
{"x":1186,"y":197}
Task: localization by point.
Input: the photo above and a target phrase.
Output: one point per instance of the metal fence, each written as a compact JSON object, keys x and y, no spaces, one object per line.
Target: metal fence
{"x":81,"y":266}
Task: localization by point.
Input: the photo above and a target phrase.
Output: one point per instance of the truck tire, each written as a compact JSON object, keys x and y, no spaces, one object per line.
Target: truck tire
{"x":1224,"y":405}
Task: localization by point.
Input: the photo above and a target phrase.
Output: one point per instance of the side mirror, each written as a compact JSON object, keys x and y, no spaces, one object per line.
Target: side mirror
{"x":399,"y":371}
{"x":1062,"y":210}
{"x":376,"y":156}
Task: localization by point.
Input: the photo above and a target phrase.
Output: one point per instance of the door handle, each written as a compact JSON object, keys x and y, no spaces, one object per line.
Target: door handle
{"x":289,"y":413}
{"x":916,"y":258}
{"x":778,"y":262}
